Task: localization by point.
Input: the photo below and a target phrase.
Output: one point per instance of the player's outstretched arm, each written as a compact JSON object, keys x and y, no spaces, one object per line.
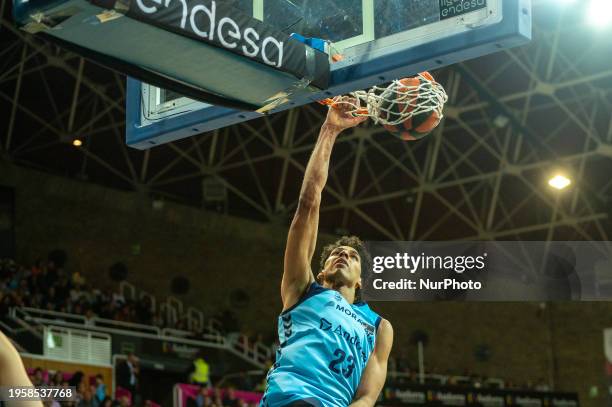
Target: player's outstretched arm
{"x":375,"y":373}
{"x":302,"y":238}
{"x":12,"y":371}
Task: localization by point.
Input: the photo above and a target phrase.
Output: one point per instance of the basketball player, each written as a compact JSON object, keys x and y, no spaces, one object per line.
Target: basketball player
{"x":334,"y":348}
{"x":12,"y":371}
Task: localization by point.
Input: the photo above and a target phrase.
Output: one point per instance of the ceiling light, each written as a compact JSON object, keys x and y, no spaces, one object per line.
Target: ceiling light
{"x":559,"y":182}
{"x":600,"y":13}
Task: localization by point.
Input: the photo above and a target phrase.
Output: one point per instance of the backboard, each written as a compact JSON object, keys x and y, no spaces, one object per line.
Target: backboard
{"x":380,"y":40}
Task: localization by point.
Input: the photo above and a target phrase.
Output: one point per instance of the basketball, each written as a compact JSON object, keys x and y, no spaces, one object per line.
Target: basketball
{"x":403,"y":97}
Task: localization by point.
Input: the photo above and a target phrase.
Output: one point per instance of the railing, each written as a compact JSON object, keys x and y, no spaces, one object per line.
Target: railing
{"x":177,"y":333}
{"x":27,"y":313}
{"x":132,"y":326}
{"x":10,"y":332}
{"x":176,"y":305}
{"x":256,"y":356}
{"x":37,"y":333}
{"x":6,"y":328}
{"x":256,"y":350}
{"x":110,"y":326}
{"x":172,"y":309}
{"x":195,"y":318}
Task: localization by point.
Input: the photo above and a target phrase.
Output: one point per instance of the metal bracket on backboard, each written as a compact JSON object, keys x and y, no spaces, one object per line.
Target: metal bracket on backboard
{"x":494,"y":17}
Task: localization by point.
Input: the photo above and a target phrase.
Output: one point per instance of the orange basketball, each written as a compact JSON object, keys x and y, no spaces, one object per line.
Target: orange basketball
{"x":396,"y":105}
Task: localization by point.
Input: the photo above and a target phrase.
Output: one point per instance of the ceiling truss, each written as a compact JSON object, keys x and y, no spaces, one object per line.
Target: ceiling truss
{"x":512,"y":120}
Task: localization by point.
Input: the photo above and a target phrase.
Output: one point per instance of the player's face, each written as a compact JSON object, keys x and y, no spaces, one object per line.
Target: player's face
{"x":343,"y":264}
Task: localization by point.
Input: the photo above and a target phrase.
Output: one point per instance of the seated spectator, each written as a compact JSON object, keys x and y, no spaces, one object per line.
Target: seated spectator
{"x":38,"y":378}
{"x":181,"y":324}
{"x":51,"y":301}
{"x":230,"y":399}
{"x":77,"y":279}
{"x":50,"y":274}
{"x":124,"y":401}
{"x":117,"y":299}
{"x":87,"y":399}
{"x":63,"y":287}
{"x":78,"y":309}
{"x":37,"y":267}
{"x":218,"y":401}
{"x":143,"y":311}
{"x":107,"y":402}
{"x":75,"y":294}
{"x":158,"y":320}
{"x":203,"y":399}
{"x":89,"y":317}
{"x":57,"y":379}
{"x":122,"y":314}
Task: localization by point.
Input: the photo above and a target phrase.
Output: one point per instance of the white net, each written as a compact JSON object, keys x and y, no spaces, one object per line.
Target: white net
{"x":398,"y":102}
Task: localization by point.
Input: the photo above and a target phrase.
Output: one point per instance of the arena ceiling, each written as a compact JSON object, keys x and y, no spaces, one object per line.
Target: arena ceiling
{"x":512,"y":120}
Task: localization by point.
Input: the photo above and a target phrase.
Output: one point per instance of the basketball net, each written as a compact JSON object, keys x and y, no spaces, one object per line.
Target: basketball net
{"x":396,"y":103}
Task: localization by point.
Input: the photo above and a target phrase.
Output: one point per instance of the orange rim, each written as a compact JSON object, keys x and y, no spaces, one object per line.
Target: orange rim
{"x":330,"y":102}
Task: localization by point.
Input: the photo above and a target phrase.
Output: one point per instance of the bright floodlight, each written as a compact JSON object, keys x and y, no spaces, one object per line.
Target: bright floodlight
{"x":600,"y":12}
{"x":559,"y":182}
{"x":77,"y":143}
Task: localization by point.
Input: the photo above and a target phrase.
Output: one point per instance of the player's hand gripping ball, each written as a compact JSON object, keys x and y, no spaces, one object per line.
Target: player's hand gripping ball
{"x":403,"y":98}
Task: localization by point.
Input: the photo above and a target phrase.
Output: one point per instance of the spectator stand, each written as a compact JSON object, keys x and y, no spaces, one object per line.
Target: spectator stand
{"x":38,"y":318}
{"x":173,"y":312}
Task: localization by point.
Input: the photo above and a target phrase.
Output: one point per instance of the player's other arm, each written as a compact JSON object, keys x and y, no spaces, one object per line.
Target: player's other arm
{"x":12,"y":371}
{"x":375,"y":373}
{"x":301,"y":242}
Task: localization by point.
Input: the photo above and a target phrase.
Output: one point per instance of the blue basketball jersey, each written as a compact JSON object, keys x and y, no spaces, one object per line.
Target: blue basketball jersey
{"x":325,"y":343}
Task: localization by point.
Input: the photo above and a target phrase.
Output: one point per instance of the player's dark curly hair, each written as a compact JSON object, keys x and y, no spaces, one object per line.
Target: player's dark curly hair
{"x":356,"y":243}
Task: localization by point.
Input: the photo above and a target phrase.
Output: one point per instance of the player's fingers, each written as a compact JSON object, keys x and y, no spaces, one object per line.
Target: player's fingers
{"x":360,"y":119}
{"x":345,"y":102}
